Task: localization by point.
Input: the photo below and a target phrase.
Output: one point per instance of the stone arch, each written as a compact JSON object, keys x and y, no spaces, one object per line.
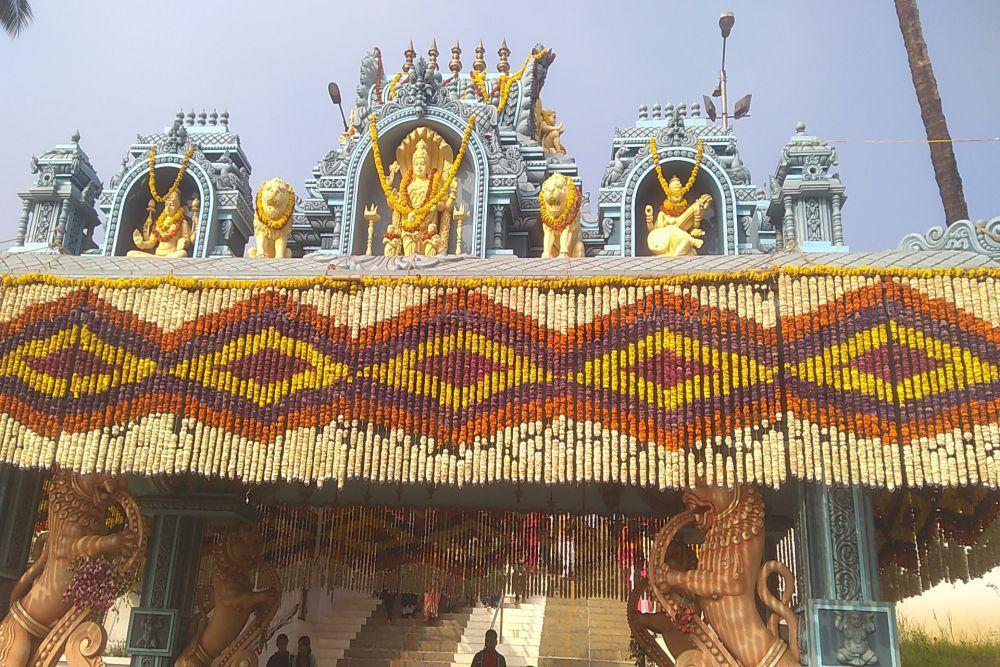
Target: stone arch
{"x":453,"y":126}
{"x":137,"y":175}
{"x":642,"y":169}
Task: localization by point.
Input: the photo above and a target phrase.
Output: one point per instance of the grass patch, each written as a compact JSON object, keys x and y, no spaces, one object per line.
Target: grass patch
{"x":917,"y":647}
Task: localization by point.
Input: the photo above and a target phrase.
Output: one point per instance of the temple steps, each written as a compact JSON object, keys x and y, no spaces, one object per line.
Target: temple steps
{"x":406,"y":642}
{"x":522,"y":630}
{"x":584,"y":631}
{"x":334,"y":621}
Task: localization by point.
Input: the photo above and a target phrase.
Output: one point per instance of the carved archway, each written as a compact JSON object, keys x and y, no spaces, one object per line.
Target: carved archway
{"x":137,"y":176}
{"x":452,"y":126}
{"x":642,"y":169}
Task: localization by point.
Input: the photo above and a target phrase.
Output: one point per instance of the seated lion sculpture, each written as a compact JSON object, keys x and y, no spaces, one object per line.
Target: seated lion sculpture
{"x":272,"y":220}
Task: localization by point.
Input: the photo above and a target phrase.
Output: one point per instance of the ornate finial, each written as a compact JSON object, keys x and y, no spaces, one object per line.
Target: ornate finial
{"x":643,"y":112}
{"x":682,"y":110}
{"x":190,"y":118}
{"x":480,"y":63}
{"x":504,"y":53}
{"x":656,"y":109}
{"x":800,"y":127}
{"x":225,"y":119}
{"x":180,"y":117}
{"x":432,"y":56}
{"x":213,"y":118}
{"x":456,"y":59}
{"x":202,"y":117}
{"x":76,"y":137}
{"x":695,"y":110}
{"x":409,"y":54}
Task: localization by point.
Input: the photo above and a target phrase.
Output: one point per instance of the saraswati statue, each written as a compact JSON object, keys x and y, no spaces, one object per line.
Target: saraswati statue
{"x":169,"y":234}
{"x":423,"y":206}
{"x":676,"y":230}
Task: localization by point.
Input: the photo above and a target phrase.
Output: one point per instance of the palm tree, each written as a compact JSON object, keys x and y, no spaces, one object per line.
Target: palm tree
{"x":942,"y":155}
{"x":14,"y":15}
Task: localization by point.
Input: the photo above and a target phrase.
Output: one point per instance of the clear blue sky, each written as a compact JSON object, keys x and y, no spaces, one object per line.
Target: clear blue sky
{"x":115,"y":68}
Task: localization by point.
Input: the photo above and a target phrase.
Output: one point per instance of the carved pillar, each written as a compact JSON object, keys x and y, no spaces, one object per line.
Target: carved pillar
{"x":157,"y":627}
{"x":19,"y":494}
{"x":22,"y":224}
{"x":788,"y":223}
{"x":844,"y":621}
{"x":498,"y":226}
{"x":59,"y":229}
{"x":838,"y":226}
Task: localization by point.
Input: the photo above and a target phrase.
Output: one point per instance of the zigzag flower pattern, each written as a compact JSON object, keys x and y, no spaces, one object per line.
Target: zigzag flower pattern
{"x":883,"y":378}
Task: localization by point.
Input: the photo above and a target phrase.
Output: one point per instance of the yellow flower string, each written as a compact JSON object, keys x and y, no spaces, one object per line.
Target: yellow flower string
{"x":177,"y":179}
{"x":506,"y":82}
{"x":395,"y":201}
{"x":699,"y":151}
{"x":392,"y":85}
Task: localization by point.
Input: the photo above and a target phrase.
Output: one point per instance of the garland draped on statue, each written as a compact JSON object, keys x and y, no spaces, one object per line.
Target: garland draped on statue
{"x":877,"y":377}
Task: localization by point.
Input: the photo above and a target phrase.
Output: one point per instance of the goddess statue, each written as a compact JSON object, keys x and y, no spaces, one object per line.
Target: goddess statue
{"x":171,"y":233}
{"x":423,"y":206}
{"x":676,"y":231}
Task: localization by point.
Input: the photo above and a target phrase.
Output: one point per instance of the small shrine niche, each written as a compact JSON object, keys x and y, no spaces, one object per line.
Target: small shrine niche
{"x":215,"y":213}
{"x":417,"y":158}
{"x":650,"y":194}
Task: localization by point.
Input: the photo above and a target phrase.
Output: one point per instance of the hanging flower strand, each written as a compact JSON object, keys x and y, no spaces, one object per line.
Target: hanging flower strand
{"x":177,"y":179}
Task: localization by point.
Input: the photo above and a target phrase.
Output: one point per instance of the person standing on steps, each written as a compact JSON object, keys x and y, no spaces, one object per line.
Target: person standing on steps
{"x":305,"y":657}
{"x":281,"y":657}
{"x":489,"y":656}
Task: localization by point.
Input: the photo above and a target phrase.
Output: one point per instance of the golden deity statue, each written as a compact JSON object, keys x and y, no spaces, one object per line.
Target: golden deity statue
{"x":676,"y":230}
{"x":423,"y":206}
{"x":171,"y":233}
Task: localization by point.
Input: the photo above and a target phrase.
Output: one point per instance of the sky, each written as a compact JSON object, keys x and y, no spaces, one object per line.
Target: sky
{"x":115,"y":68}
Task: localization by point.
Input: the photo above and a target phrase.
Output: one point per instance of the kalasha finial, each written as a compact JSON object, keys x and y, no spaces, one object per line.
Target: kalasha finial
{"x":432,"y":56}
{"x":456,"y":59}
{"x":213,"y":118}
{"x":76,"y":137}
{"x":224,"y":119}
{"x":409,"y":54}
{"x":480,"y":63}
{"x":504,"y":53}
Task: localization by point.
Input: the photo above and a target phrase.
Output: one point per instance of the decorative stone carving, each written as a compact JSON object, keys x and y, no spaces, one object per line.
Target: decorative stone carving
{"x":226,"y":638}
{"x":982,"y":237}
{"x":676,"y":230}
{"x":559,"y":203}
{"x":171,"y":234}
{"x":855,"y":627}
{"x":272,"y":220}
{"x":42,"y":625}
{"x":547,"y":133}
{"x":644,"y":625}
{"x":726,"y":627}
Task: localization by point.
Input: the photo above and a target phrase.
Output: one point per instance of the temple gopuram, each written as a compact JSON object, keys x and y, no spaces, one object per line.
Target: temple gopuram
{"x":430,"y":388}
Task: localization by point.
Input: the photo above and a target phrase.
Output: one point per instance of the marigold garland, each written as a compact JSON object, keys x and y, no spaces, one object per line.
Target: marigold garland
{"x":570,"y":209}
{"x":412,"y":217}
{"x":177,"y":179}
{"x":166,"y":227}
{"x":852,"y":376}
{"x":668,"y":207}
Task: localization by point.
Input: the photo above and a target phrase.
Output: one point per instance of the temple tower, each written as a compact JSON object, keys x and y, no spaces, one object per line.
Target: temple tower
{"x":806,"y":198}
{"x":58,"y":215}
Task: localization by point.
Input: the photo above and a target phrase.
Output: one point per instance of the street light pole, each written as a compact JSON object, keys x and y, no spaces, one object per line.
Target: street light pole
{"x":726,"y":21}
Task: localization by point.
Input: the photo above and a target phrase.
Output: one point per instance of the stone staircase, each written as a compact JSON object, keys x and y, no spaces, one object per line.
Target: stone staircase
{"x":406,"y":643}
{"x":584,"y":632}
{"x":522,"y":633}
{"x":333,"y":623}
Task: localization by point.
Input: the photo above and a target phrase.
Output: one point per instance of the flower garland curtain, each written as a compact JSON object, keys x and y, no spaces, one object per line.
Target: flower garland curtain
{"x":875,"y":377}
{"x":460,"y":553}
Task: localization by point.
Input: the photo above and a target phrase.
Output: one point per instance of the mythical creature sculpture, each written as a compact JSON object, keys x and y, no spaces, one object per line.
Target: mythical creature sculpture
{"x":727,"y":628}
{"x":645,"y":624}
{"x":559,"y":203}
{"x":423,"y":206}
{"x":42,"y":625}
{"x":272,"y":220}
{"x":676,"y":230}
{"x":547,"y":133}
{"x":225,"y":638}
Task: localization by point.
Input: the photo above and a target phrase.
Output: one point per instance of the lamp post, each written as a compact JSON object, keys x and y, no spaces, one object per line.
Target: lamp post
{"x":334,"y":91}
{"x":726,"y":21}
